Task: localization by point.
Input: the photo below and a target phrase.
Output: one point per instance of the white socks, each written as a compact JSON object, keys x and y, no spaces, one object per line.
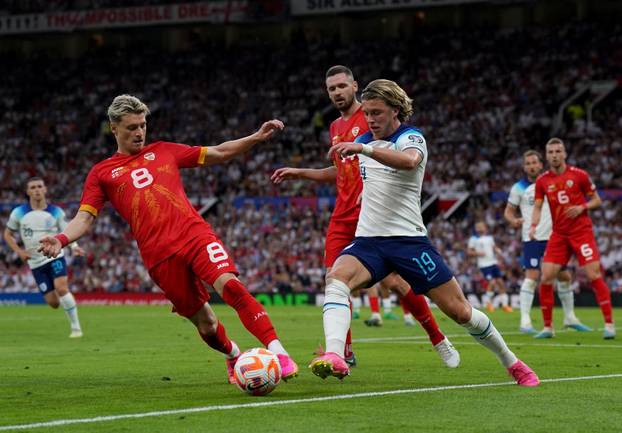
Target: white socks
{"x":336,"y":315}
{"x":356,"y":304}
{"x":527,"y":292}
{"x":566,"y":297}
{"x":235,"y":350}
{"x":387,"y":304}
{"x":275,"y":346}
{"x":68,"y":303}
{"x":485,"y":333}
{"x":504,"y":299}
{"x":487,"y":298}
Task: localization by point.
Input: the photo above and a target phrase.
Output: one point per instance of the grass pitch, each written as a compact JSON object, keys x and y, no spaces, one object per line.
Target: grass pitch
{"x":148,"y":362}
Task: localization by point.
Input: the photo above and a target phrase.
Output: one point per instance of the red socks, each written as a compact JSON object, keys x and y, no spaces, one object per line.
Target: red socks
{"x":603,"y":297}
{"x":218,"y":341}
{"x":404,"y":306}
{"x":419,"y":308}
{"x":547,"y":301}
{"x":252,"y":314}
{"x":374,"y":304}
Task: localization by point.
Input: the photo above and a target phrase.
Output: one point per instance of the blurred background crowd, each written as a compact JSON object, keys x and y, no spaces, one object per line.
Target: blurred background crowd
{"x":481,"y":97}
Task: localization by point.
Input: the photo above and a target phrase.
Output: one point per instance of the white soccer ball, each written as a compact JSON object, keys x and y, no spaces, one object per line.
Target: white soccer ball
{"x":257,"y":371}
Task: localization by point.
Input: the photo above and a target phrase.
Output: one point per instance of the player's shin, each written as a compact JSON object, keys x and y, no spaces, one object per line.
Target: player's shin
{"x":527,"y":293}
{"x":547,"y":302}
{"x":485,"y":333}
{"x":220,"y":342}
{"x":603,"y":297}
{"x":418,"y":306}
{"x":336,"y":315}
{"x":566,"y":297}
{"x":68,"y":302}
{"x":252,"y":314}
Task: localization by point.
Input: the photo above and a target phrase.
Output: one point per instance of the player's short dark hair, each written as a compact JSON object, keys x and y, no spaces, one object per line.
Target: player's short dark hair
{"x":535,"y":153}
{"x":339,"y":69}
{"x":34,"y":179}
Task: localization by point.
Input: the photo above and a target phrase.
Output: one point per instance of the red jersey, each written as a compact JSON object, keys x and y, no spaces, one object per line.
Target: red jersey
{"x":563,"y":191}
{"x":349,"y":183}
{"x":146,"y":190}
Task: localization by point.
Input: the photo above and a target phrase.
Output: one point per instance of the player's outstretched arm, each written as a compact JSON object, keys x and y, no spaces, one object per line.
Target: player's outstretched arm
{"x":12,"y":243}
{"x":229,"y":149}
{"x":328,"y":174}
{"x":402,"y":160}
{"x":78,"y":226}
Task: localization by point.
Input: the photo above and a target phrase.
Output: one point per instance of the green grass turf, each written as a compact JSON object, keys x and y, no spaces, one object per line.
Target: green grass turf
{"x":142,"y":359}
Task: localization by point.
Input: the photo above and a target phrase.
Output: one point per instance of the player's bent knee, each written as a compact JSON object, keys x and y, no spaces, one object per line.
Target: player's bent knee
{"x":337,"y":292}
{"x":463,"y":313}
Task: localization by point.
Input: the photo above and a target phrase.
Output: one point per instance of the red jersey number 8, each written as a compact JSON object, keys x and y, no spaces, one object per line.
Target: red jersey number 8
{"x":141,"y":178}
{"x":216,"y":252}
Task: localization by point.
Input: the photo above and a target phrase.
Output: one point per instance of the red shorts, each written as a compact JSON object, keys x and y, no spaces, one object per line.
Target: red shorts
{"x":180,"y":276}
{"x":338,"y":237}
{"x":559,"y":248}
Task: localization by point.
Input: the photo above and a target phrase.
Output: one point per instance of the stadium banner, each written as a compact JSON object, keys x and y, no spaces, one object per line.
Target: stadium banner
{"x":312,"y":7}
{"x":213,"y":12}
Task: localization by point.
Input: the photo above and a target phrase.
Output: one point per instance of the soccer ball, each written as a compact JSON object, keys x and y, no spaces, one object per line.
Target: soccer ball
{"x":257,"y":371}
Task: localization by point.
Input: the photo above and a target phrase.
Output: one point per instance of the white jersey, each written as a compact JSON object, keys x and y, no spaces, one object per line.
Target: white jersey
{"x":32,"y":225}
{"x":523,"y":195}
{"x":391,"y":204}
{"x":484,"y":244}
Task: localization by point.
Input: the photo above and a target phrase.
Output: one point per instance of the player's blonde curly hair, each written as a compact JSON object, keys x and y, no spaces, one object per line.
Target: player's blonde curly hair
{"x":126,"y":104}
{"x":392,"y":94}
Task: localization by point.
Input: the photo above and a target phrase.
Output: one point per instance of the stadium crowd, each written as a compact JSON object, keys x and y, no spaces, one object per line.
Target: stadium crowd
{"x":481,"y":99}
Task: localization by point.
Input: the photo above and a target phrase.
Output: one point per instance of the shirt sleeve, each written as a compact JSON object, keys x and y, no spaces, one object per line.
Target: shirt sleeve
{"x":585,"y":183}
{"x":412,"y":140}
{"x":539,"y":190}
{"x":13,"y":222}
{"x":93,"y":195}
{"x":187,"y":156}
{"x":515,"y":196}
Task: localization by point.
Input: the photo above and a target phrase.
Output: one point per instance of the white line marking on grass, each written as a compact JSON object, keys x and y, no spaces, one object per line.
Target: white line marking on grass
{"x":64,"y":422}
{"x":545,"y":343}
{"x":461,"y":335}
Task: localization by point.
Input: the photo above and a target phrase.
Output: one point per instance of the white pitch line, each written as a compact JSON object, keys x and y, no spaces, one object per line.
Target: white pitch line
{"x":466,"y":335}
{"x":520,"y":343}
{"x":64,"y":422}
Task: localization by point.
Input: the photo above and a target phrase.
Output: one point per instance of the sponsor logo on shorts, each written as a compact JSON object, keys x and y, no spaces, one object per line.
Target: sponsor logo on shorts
{"x":222,"y":265}
{"x":43,"y":287}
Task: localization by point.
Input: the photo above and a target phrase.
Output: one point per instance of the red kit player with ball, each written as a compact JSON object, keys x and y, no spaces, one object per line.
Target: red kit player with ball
{"x":180,"y":249}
